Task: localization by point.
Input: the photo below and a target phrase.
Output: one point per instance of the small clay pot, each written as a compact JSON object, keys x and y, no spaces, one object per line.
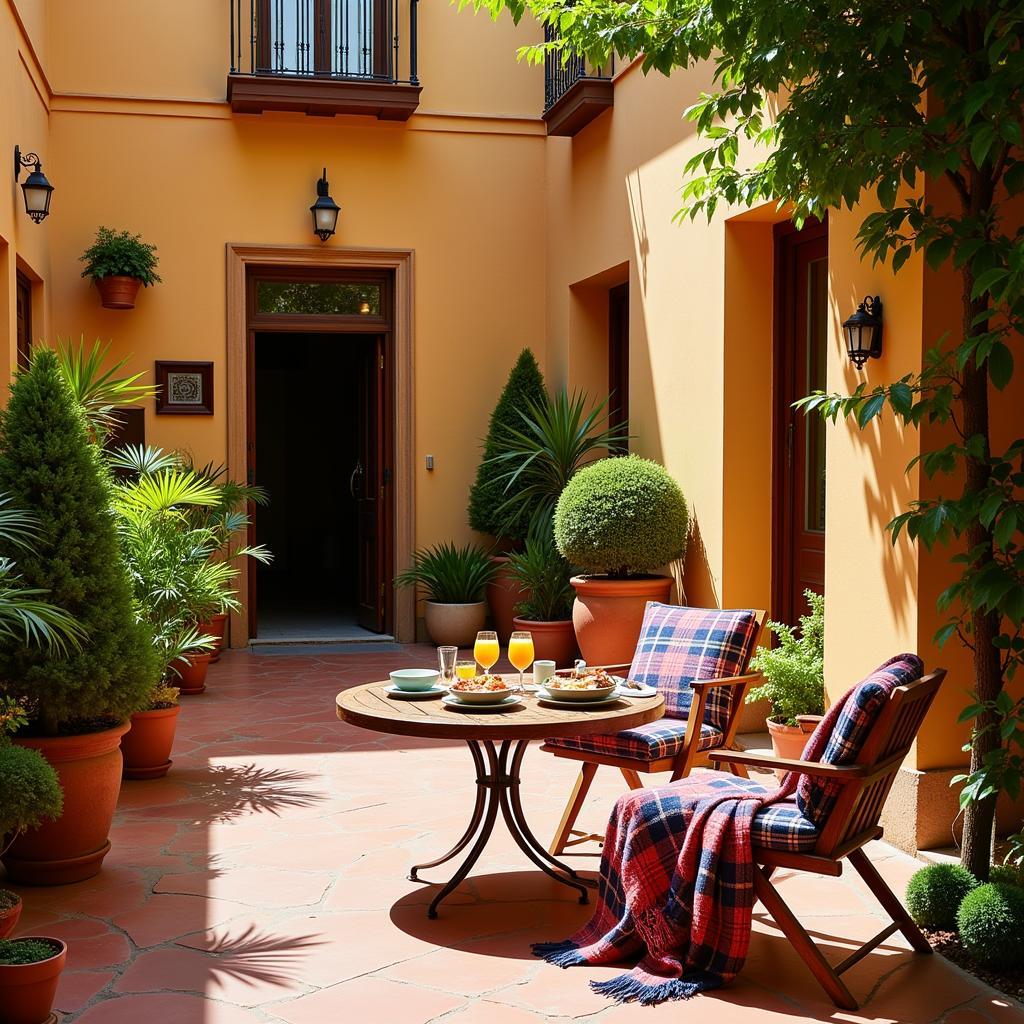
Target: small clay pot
{"x":9,"y":917}
{"x":217,"y":627}
{"x":117,"y":291}
{"x":27,"y":991}
{"x":147,"y":746}
{"x":609,"y":613}
{"x":455,"y":625}
{"x":552,"y":641}
{"x":503,"y":594}
{"x":789,"y":740}
{"x":192,"y":672}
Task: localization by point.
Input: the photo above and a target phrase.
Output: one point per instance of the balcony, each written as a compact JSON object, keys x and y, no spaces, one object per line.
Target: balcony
{"x":574,"y":92}
{"x":324,"y":57}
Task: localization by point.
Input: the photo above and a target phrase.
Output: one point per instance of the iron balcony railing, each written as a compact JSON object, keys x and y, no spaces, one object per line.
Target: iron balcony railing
{"x":560,"y":77}
{"x":360,"y":40}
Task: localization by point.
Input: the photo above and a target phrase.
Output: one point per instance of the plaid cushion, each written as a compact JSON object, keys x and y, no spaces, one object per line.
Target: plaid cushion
{"x":816,"y":797}
{"x":663,"y":738}
{"x":678,"y":645}
{"x":779,"y":826}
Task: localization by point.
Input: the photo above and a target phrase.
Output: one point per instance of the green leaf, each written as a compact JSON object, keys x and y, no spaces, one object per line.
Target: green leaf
{"x":1000,"y":365}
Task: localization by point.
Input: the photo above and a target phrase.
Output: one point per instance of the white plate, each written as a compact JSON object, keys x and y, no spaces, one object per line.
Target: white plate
{"x":644,"y":691}
{"x":435,"y":691}
{"x":453,"y":702}
{"x":577,"y":705}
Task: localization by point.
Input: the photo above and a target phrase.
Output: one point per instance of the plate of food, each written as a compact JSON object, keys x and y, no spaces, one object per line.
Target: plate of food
{"x":484,"y":689}
{"x":513,"y":700}
{"x":631,"y":688}
{"x":582,"y":686}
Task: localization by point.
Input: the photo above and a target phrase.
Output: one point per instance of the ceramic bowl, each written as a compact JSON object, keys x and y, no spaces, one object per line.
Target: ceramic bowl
{"x":414,"y":680}
{"x":480,"y":696}
{"x":582,"y":696}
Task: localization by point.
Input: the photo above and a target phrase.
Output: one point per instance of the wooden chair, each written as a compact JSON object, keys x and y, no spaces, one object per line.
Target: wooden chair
{"x":851,"y":824}
{"x":691,"y":752}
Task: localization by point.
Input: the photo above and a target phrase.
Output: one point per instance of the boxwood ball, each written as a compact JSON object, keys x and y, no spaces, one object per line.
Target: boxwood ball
{"x":621,"y":515}
{"x":991,"y":925}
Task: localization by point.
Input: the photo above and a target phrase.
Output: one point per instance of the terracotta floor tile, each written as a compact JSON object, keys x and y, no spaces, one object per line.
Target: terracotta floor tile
{"x":77,"y":988}
{"x":166,"y":916}
{"x":251,"y":886}
{"x":165,"y":1008}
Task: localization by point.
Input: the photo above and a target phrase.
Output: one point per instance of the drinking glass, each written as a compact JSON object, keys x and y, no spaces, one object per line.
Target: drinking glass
{"x":465,"y":669}
{"x":486,"y":650}
{"x":520,"y":652}
{"x":447,"y":657}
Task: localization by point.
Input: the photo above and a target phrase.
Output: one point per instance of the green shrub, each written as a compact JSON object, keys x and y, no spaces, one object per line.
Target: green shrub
{"x":448,"y":574}
{"x":794,"y":671}
{"x":524,"y":388}
{"x":934,"y":894}
{"x":621,"y":516}
{"x":120,"y":253}
{"x":50,"y":467}
{"x":29,"y":791}
{"x":991,"y":925}
{"x":544,"y":574}
{"x":1007,"y":874}
{"x":26,"y":951}
{"x":8,"y":900}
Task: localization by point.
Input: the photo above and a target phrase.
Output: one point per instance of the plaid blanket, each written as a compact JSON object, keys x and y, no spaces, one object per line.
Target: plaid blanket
{"x":677,"y":880}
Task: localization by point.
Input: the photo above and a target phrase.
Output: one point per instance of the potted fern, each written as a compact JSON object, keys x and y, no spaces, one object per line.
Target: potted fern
{"x":454,"y":580}
{"x":120,"y":263}
{"x":794,"y":679}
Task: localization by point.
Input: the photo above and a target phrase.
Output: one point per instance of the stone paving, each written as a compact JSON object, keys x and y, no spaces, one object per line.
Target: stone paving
{"x":265,"y":880}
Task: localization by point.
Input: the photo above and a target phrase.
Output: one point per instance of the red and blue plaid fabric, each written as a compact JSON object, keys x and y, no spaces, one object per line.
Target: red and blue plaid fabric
{"x":677,"y":882}
{"x":678,"y":645}
{"x":817,"y":797}
{"x":778,"y":826}
{"x":650,"y":742}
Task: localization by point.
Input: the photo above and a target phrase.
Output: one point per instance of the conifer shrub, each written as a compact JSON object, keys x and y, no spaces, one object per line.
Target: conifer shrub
{"x":991,"y":925}
{"x":934,"y":894}
{"x":523,"y":390}
{"x":51,"y":467}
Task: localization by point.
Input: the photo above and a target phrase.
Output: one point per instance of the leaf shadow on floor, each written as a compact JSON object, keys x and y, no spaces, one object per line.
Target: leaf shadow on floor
{"x":231,"y":791}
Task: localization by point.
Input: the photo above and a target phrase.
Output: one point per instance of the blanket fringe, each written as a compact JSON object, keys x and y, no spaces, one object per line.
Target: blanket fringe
{"x":561,"y":954}
{"x":627,"y":988}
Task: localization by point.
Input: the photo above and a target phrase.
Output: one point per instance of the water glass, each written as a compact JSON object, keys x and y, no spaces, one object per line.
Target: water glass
{"x":447,"y":656}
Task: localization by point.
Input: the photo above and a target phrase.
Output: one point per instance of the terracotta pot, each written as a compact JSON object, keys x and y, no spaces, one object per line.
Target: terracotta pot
{"x":147,"y":747}
{"x":503,"y":594}
{"x":27,"y":991}
{"x":9,"y":917}
{"x":608,"y":614}
{"x":455,"y":624}
{"x":72,"y":847}
{"x":217,"y":627}
{"x":789,"y":740}
{"x":192,"y":673}
{"x":117,"y":292}
{"x":552,"y":641}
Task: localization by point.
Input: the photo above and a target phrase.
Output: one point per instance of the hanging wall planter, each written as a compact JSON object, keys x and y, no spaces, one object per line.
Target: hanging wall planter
{"x":120,"y":263}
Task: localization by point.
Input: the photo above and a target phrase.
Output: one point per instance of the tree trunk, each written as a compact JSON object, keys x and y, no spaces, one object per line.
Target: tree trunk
{"x":979,"y":816}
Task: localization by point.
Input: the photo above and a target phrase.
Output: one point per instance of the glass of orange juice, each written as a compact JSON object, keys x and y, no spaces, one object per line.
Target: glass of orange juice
{"x":520,"y":652}
{"x":465,"y":669}
{"x":486,"y":650}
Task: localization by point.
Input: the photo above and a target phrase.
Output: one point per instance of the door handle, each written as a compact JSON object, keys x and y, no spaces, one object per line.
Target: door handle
{"x":357,"y":472}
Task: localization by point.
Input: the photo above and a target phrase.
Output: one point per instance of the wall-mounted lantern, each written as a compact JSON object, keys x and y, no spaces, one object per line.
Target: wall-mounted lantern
{"x":325,"y":211}
{"x":863,"y":331}
{"x":36,"y":188}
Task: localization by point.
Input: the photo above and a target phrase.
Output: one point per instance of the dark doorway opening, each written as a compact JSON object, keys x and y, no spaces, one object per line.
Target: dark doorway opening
{"x":317,"y":447}
{"x":800,"y":354}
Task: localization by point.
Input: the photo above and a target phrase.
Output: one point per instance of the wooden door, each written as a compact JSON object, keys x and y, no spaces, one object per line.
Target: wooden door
{"x":368,"y":482}
{"x":24,"y":314}
{"x":801,"y":340}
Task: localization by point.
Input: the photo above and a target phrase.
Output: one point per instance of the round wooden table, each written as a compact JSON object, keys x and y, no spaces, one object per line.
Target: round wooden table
{"x":497,"y":741}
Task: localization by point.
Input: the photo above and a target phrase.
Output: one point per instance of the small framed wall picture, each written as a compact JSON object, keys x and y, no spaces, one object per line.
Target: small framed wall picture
{"x":184,"y":388}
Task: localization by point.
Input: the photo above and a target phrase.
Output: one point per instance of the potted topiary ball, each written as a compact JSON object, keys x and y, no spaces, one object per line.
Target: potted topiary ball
{"x":619,"y":519}
{"x":120,"y":263}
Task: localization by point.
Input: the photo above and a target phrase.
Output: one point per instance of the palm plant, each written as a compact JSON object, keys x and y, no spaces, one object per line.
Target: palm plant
{"x":556,"y":439}
{"x":449,"y":574}
{"x":544,"y":575}
{"x":229,"y":519}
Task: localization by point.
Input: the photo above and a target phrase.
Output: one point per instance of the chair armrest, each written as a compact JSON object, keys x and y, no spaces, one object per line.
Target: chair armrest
{"x":712,"y":684}
{"x":836,"y":772}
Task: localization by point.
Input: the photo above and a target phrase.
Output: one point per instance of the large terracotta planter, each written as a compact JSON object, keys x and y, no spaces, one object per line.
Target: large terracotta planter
{"x":789,"y":740}
{"x":27,"y":991}
{"x":192,"y":673}
{"x":455,"y":625}
{"x":552,"y":641}
{"x":9,"y":917}
{"x":608,"y":614}
{"x":118,"y":292}
{"x":503,"y":594}
{"x":216,"y":626}
{"x":146,"y":748}
{"x":72,"y":847}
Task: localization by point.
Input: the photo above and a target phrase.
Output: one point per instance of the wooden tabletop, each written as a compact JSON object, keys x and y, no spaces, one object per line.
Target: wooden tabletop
{"x":370,"y":707}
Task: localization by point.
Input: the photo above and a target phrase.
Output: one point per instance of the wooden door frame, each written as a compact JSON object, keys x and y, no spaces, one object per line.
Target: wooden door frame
{"x":783,"y":314}
{"x":240,"y":259}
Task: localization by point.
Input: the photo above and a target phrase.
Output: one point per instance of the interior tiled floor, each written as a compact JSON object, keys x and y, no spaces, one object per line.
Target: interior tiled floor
{"x":265,"y":880}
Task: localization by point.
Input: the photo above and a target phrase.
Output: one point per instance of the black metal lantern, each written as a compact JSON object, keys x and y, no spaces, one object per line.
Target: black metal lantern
{"x":325,"y":211}
{"x":863,"y":331}
{"x":36,"y":188}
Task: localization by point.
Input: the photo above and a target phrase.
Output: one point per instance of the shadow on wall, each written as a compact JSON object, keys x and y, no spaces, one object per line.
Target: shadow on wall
{"x":697,"y":587}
